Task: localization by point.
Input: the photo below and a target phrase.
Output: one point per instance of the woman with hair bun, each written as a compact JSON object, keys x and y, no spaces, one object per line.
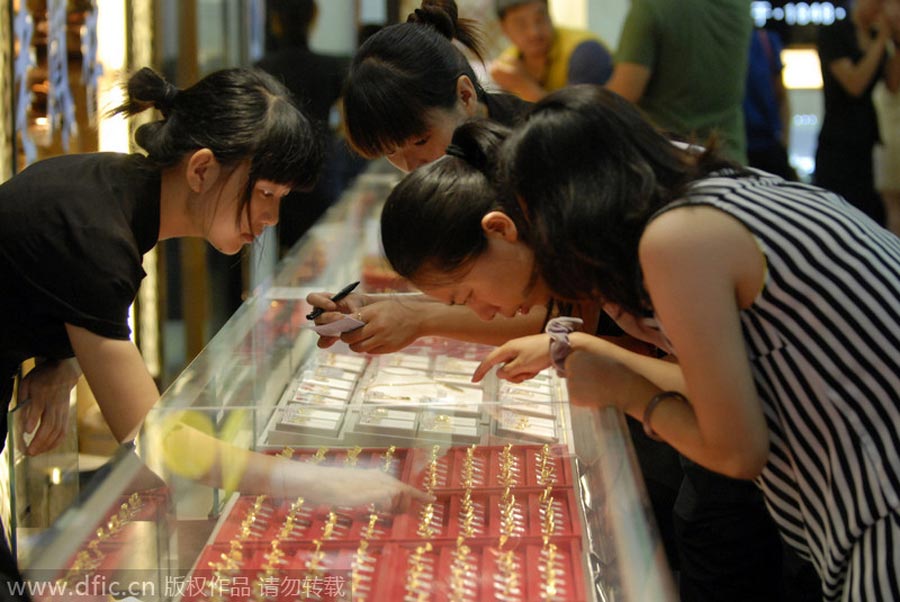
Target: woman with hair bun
{"x":408,"y":89}
{"x":74,"y":229}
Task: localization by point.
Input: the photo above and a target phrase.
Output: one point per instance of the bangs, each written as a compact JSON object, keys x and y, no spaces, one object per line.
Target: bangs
{"x":291,"y":150}
{"x":381,"y":110}
{"x":397,"y":76}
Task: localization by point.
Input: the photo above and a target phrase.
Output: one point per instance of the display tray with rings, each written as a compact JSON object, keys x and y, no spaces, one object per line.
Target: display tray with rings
{"x":504,"y":525}
{"x":423,"y":394}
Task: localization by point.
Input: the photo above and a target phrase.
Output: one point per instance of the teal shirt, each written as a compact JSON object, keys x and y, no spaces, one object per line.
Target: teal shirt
{"x":696,"y":51}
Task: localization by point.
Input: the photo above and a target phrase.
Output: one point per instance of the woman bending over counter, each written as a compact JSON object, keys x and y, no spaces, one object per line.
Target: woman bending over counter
{"x":778,"y":300}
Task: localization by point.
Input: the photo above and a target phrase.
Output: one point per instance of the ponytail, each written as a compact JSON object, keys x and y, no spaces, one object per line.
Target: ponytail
{"x":147,"y":89}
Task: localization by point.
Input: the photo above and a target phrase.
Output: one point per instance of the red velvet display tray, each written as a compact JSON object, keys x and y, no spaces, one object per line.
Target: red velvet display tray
{"x":502,"y":476}
{"x":481,"y":575}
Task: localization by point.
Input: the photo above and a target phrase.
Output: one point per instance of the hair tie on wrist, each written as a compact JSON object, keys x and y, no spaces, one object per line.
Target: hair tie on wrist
{"x":655,"y":401}
{"x":559,"y":328}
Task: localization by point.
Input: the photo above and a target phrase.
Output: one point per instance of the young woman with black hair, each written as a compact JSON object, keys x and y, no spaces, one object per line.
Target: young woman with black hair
{"x":408,"y":89}
{"x":778,"y":298}
{"x":74,"y":228}
{"x":218,"y":162}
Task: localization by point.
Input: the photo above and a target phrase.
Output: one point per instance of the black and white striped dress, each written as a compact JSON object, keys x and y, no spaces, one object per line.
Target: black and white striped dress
{"x":824,"y":342}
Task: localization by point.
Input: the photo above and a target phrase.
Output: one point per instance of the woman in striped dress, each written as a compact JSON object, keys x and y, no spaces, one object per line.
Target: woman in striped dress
{"x":779,"y":299}
{"x":781,"y":302}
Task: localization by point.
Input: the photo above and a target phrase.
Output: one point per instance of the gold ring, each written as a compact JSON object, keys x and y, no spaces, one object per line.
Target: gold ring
{"x":359,"y":317}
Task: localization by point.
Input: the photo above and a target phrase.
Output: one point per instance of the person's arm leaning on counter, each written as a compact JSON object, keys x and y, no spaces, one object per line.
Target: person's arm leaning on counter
{"x":208,"y":459}
{"x":395,"y":321}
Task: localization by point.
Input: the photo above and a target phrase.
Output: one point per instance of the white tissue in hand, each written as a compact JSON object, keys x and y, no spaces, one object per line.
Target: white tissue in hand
{"x":333,"y":329}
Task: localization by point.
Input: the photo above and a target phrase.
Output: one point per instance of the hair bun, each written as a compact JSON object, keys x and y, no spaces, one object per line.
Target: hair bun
{"x":476,"y":142}
{"x":148,"y":88}
{"x":442,"y":15}
{"x":170,"y":93}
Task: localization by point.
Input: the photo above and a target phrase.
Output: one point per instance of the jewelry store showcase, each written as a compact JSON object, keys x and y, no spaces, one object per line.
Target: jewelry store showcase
{"x":530,"y":499}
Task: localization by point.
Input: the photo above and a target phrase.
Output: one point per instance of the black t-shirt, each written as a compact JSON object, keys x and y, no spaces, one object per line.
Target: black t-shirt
{"x":73,"y":232}
{"x":315,"y":80}
{"x":506,"y":109}
{"x":849,"y":120}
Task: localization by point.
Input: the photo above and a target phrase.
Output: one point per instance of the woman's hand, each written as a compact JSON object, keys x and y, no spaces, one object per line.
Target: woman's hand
{"x":349,"y":304}
{"x":391,"y":325}
{"x":334,"y":311}
{"x":596,"y":375}
{"x":48,"y":387}
{"x":352,"y":487}
{"x":522,"y":359}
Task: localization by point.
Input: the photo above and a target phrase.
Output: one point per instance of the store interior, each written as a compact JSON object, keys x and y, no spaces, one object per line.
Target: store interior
{"x":226,"y":340}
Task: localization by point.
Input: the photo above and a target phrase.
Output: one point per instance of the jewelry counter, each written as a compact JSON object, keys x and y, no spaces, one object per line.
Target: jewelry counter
{"x":528,"y":498}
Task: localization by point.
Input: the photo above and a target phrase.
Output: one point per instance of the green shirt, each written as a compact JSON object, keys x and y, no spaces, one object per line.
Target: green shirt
{"x":696,"y":51}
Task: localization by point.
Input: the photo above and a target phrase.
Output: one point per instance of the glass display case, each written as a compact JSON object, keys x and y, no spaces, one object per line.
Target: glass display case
{"x":527,"y":497}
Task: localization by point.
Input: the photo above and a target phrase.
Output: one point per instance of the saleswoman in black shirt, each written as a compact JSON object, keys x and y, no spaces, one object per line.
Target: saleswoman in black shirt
{"x":74,"y":228}
{"x":73,"y":231}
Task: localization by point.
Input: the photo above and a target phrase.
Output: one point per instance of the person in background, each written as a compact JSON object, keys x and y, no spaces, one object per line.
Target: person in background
{"x":766,"y":107}
{"x":544,"y":57}
{"x":73,"y":232}
{"x":685,"y":64}
{"x":315,"y":81}
{"x":887,"y":153}
{"x":853,"y":55}
{"x":696,"y":254}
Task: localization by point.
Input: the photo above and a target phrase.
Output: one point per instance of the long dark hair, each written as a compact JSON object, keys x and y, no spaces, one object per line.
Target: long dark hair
{"x":588,"y":172}
{"x":402,"y":72}
{"x":239,"y":114}
{"x":431,"y":221}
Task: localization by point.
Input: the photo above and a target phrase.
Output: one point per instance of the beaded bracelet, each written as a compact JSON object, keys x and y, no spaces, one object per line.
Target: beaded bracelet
{"x":655,"y":401}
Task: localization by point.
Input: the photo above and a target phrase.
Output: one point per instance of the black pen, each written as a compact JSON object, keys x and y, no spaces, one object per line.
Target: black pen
{"x":341,"y":294}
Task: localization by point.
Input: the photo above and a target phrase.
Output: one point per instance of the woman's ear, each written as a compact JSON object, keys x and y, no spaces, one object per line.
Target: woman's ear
{"x":467,"y":96}
{"x":202,"y":170}
{"x":497,"y":224}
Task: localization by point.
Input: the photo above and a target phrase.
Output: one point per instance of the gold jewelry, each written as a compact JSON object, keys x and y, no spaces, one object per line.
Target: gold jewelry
{"x":388,"y":456}
{"x":353,"y":456}
{"x":319,"y":455}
